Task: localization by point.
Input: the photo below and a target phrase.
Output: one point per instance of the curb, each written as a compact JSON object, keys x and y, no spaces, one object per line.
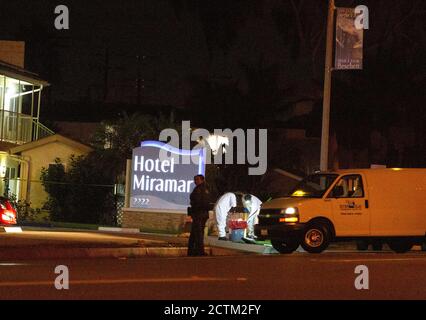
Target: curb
{"x":13,"y":254}
{"x":10,"y":229}
{"x":119,"y":230}
{"x":243,"y":248}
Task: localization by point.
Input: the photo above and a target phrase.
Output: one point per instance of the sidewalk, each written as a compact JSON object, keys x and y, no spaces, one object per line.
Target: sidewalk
{"x":336,"y":247}
{"x":267,"y":248}
{"x":46,"y":243}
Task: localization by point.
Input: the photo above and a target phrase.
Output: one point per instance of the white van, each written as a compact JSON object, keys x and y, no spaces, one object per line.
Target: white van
{"x":368,"y":204}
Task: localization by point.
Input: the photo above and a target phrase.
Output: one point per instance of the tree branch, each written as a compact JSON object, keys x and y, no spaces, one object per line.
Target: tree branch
{"x":298,"y":23}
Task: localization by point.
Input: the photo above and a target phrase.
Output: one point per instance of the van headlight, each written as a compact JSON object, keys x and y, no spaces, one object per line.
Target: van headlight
{"x":289,"y":211}
{"x":291,"y":215}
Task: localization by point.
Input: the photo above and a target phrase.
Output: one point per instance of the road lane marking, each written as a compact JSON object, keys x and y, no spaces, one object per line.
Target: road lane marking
{"x":122,"y":281}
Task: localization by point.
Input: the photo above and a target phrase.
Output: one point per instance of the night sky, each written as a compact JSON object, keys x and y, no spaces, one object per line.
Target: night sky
{"x":226,"y":58}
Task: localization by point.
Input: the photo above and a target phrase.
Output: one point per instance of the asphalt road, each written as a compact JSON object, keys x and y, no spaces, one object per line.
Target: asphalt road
{"x":329,"y":275}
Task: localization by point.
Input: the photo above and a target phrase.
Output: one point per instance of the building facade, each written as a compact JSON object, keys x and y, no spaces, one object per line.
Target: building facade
{"x":20,"y":105}
{"x":40,"y":154}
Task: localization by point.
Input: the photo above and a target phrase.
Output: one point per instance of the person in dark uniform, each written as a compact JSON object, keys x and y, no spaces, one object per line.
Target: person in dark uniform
{"x":199,"y":212}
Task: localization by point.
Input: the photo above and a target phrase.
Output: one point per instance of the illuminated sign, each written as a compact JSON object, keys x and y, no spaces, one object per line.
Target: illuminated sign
{"x":162,"y":176}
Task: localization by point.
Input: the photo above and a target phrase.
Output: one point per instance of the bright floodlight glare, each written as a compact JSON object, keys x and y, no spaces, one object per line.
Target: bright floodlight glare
{"x":290,"y":210}
{"x":10,"y":93}
{"x":215,"y":142}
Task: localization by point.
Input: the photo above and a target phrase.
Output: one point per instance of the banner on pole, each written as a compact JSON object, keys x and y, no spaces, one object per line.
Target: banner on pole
{"x":349,"y":41}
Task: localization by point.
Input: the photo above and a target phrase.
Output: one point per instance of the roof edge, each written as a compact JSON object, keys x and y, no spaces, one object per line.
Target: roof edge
{"x":51,"y":139}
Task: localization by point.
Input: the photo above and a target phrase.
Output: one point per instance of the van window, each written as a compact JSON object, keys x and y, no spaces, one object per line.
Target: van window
{"x":348,"y":187}
{"x":313,"y":186}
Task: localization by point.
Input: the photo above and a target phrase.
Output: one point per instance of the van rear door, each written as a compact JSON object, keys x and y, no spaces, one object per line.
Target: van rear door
{"x":349,"y":202}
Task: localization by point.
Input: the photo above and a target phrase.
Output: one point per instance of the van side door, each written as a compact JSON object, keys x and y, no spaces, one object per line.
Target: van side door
{"x":349,"y":204}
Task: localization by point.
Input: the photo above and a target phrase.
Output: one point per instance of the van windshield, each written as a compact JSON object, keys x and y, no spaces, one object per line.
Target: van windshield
{"x":313,"y":186}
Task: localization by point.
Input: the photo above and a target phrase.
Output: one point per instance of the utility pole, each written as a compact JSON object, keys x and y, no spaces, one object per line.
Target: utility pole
{"x":327,"y":87}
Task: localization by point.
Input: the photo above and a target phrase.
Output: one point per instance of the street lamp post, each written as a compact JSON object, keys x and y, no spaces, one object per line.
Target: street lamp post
{"x":327,"y":88}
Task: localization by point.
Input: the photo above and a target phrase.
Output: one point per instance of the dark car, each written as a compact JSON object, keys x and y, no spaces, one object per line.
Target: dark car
{"x":7,"y":212}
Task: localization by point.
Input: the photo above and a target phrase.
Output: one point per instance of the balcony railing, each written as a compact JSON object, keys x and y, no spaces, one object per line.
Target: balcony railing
{"x":41,"y":131}
{"x":19,"y":128}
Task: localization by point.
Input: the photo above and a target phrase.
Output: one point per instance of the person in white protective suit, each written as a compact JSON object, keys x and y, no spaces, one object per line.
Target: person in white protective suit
{"x":252,"y":206}
{"x":225,"y":203}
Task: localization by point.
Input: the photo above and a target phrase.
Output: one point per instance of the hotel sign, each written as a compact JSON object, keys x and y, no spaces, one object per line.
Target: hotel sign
{"x":162,"y":176}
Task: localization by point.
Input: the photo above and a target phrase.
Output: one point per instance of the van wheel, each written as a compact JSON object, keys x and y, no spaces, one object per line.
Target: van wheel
{"x":316,"y":237}
{"x":285,"y":245}
{"x":400,"y":245}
